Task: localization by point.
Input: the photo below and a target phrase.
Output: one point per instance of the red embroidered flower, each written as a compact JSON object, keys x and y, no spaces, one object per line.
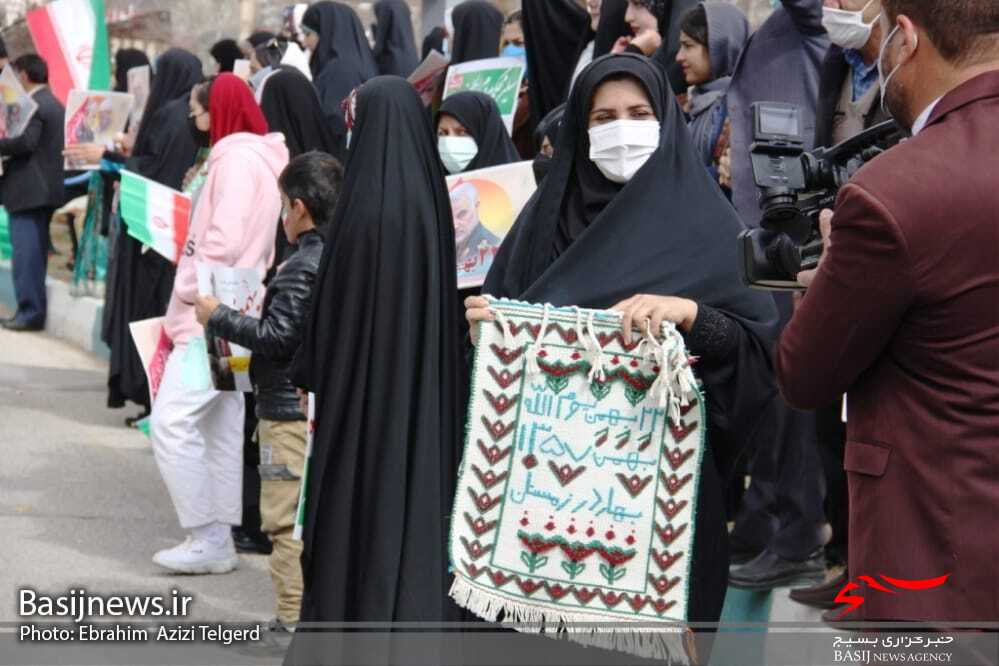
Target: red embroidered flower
{"x":610,"y":535}
{"x":576,"y":551}
{"x":550,"y":526}
{"x":536,"y":543}
{"x":590,"y":532}
{"x":630,"y":539}
{"x":615,"y":557}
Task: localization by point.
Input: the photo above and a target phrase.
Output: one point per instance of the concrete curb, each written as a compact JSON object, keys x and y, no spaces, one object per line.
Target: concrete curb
{"x":73,"y":319}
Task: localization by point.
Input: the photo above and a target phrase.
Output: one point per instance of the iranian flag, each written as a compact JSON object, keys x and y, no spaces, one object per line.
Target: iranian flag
{"x":72,"y":37}
{"x":156,"y":215}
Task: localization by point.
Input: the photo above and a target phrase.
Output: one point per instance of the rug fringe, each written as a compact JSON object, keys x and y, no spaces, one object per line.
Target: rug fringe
{"x":663,"y":644}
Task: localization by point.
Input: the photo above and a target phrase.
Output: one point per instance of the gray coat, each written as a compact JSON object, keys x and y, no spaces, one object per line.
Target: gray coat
{"x":781,"y":63}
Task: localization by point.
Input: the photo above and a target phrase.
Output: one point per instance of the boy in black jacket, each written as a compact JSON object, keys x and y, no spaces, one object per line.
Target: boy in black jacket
{"x":310,"y":185}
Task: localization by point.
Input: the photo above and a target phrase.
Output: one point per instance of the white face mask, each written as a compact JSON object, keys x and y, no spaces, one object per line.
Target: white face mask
{"x":621,"y":148}
{"x":847,"y":29}
{"x":457,"y":152}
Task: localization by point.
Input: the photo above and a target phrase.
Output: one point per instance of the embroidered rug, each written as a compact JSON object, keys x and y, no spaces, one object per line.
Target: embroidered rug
{"x":577,"y":492}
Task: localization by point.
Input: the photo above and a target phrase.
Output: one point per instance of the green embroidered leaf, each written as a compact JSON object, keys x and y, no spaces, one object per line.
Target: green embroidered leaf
{"x":600,"y":390}
{"x":526,"y":559}
{"x":635,"y":396}
{"x":557,"y":384}
{"x":540,"y":562}
{"x":573,"y":569}
{"x":619,"y":573}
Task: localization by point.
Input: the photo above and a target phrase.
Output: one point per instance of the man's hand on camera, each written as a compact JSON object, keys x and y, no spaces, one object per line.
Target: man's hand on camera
{"x":825,"y":226}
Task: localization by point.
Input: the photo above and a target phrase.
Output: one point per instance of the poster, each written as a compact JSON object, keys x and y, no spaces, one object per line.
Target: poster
{"x":18,"y":106}
{"x":95,"y":117}
{"x":154,"y":348}
{"x":499,"y":78}
{"x":138,"y":88}
{"x":428,"y":79}
{"x":485,"y":204}
{"x":242,"y":290}
{"x":241,"y":68}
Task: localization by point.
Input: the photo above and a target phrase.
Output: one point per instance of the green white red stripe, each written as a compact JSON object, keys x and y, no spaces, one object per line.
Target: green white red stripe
{"x":156,"y":215}
{"x":72,"y":37}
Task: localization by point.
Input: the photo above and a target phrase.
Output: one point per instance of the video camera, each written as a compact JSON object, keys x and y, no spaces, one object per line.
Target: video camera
{"x":794,"y":188}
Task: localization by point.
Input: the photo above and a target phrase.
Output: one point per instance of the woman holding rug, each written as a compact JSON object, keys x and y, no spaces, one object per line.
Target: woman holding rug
{"x":627,"y":208}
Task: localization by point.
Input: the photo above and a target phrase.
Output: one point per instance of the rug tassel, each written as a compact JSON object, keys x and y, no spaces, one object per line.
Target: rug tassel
{"x":663,"y":645}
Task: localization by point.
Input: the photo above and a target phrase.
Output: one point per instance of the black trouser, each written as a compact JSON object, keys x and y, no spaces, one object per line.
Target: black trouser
{"x":832,"y":446}
{"x":251,"y":471}
{"x":782,"y":509}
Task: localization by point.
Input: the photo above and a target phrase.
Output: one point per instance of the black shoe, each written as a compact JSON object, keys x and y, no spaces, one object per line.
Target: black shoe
{"x":738,"y":558}
{"x":133,"y":421}
{"x":276,"y":626}
{"x":250,"y":544}
{"x":769,"y":570}
{"x":22,"y":327}
{"x":822,"y":595}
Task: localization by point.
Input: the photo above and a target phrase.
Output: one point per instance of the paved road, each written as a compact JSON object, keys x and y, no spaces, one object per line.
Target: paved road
{"x":81,"y":501}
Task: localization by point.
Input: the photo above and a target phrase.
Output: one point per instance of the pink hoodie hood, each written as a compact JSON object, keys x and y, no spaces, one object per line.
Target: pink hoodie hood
{"x":234,"y":222}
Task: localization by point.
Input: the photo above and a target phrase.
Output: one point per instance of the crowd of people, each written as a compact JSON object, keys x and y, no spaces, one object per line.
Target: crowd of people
{"x":326,"y":172}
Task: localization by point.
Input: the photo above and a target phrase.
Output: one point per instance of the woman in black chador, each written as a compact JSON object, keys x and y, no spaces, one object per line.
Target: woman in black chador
{"x":381,"y":355}
{"x":642,"y":216}
{"x":140,"y":281}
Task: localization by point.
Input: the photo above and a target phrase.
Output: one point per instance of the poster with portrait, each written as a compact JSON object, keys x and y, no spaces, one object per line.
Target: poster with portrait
{"x":138,"y":88}
{"x":18,"y":106}
{"x":500,"y":78}
{"x":242,"y":290}
{"x":95,"y":116}
{"x":485,"y":204}
{"x":428,"y":79}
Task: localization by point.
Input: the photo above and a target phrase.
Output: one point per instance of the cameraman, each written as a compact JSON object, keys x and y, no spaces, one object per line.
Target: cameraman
{"x":849,"y":103}
{"x":903,"y":313}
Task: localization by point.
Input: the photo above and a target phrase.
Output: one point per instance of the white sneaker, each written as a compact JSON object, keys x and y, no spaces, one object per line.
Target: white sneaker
{"x":199,"y":556}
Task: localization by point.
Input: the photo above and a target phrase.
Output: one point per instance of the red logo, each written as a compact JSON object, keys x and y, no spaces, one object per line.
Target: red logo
{"x":856,"y":601}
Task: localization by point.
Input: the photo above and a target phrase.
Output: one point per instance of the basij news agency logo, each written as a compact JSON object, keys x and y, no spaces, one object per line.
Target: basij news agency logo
{"x":884,"y":586}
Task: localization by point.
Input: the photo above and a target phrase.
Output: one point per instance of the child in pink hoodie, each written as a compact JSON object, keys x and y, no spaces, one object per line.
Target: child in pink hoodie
{"x":197,"y":433}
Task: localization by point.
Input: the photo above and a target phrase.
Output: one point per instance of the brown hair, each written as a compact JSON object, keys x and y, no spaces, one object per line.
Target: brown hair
{"x":965,"y":32}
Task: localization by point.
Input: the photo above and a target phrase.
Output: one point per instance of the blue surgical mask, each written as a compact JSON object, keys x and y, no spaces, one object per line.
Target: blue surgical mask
{"x":514,"y":51}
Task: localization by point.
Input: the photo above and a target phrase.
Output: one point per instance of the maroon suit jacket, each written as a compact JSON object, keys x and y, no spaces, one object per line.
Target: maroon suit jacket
{"x":904,"y":316}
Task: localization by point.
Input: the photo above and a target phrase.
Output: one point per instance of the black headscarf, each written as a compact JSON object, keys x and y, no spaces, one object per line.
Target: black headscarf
{"x":611,"y":28}
{"x":395,"y":46}
{"x":433,"y":42}
{"x":290,"y":104}
{"x":478,"y":26}
{"x":124,"y":60}
{"x":341,"y":62}
{"x":226,"y":52}
{"x":669,"y":14}
{"x":380,"y":352}
{"x":260,"y":37}
{"x":164,"y":149}
{"x":552,"y":31}
{"x":668,"y":231}
{"x":481,"y":117}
